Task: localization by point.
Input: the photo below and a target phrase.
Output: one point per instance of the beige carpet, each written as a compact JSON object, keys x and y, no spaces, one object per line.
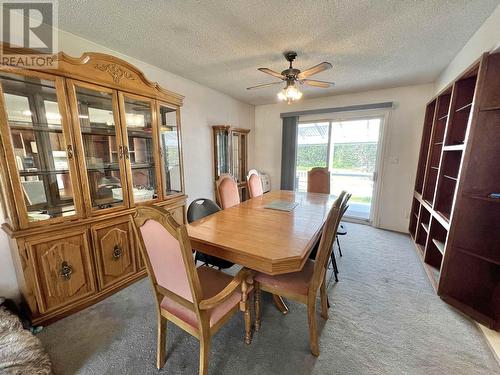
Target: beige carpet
{"x":385,"y":319}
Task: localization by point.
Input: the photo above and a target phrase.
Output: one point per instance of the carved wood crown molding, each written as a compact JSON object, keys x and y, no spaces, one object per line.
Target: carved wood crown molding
{"x":96,"y":67}
{"x":116,"y":72}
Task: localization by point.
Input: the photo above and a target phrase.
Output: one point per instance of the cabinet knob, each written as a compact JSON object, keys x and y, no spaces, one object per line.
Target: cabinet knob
{"x":117,"y":252}
{"x":66,"y":270}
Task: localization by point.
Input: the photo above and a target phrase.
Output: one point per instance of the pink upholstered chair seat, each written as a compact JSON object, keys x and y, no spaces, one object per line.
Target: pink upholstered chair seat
{"x":295,"y":282}
{"x":212,"y":282}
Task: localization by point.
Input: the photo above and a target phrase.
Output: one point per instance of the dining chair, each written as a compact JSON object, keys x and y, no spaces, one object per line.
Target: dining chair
{"x":254,"y":184}
{"x":303,"y":286}
{"x":342,"y":231}
{"x":198,"y":209}
{"x":339,"y":229}
{"x":318,"y":180}
{"x":227,"y":191}
{"x":198,"y":300}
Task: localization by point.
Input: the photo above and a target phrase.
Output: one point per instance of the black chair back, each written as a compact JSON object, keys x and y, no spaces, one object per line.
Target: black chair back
{"x":198,"y":209}
{"x":201,"y":208}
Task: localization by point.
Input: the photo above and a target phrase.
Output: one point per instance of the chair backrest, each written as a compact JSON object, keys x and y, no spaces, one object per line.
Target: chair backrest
{"x":167,"y":252}
{"x":200,"y":208}
{"x":254,"y":186}
{"x":251,"y":172}
{"x":318,"y":181}
{"x":345,"y":205}
{"x":326,"y":242}
{"x":227,"y":191}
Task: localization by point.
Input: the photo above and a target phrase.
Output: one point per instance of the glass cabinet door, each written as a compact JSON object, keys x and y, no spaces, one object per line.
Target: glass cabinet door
{"x":40,"y":148}
{"x":140,"y":144}
{"x":221,"y":147}
{"x":170,"y":151}
{"x":96,"y":111}
{"x":238,"y":145}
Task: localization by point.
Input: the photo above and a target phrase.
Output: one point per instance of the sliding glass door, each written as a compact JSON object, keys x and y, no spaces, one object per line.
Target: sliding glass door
{"x":312,"y":150}
{"x":349,"y":149}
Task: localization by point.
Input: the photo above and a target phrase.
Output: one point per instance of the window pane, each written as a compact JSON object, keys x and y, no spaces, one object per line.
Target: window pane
{"x":169,"y":143}
{"x":95,"y":111}
{"x":39,"y":146}
{"x":236,"y":158}
{"x":353,"y":162}
{"x":222,"y":148}
{"x":312,"y":150}
{"x":138,"y":118}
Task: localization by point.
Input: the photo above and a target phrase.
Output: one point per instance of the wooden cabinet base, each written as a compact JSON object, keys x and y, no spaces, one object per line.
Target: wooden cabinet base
{"x":64,"y":270}
{"x":86,"y":302}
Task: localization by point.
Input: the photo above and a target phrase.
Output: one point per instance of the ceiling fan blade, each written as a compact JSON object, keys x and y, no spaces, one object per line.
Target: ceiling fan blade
{"x":314,"y":70}
{"x":316,"y":83}
{"x":263,"y":85}
{"x":272,"y":72}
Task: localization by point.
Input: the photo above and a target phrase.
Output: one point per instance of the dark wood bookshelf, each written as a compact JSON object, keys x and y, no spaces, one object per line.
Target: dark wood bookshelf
{"x":455,"y":219}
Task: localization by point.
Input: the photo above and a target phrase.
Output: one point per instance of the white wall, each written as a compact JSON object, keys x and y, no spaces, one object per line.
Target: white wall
{"x":8,"y":282}
{"x":202,"y":107}
{"x":403,"y":132}
{"x":484,"y":39}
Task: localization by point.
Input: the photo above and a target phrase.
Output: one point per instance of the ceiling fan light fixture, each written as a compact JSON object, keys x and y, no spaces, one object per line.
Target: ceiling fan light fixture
{"x":292,"y":76}
{"x":290,"y":94}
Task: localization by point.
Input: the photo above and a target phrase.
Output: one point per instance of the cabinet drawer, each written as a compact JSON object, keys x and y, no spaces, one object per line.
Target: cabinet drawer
{"x":62,"y":268}
{"x":114,"y":251}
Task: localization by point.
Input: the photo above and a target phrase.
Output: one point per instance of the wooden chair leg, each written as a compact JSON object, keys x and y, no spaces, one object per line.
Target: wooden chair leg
{"x":335,"y":268}
{"x":204,"y":353}
{"x":161,"y":341}
{"x":324,"y":300}
{"x":313,"y":329}
{"x":280,"y":304}
{"x":258,"y":297}
{"x":245,"y":307}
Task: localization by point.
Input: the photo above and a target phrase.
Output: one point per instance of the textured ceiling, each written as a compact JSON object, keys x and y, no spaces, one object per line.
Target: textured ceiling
{"x":220,"y":44}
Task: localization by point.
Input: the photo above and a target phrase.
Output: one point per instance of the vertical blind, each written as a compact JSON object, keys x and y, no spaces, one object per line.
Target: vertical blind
{"x":289,"y":152}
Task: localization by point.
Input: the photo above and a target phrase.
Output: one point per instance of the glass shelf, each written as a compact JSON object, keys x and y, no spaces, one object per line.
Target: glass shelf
{"x":116,"y":167}
{"x":45,"y":172}
{"x":98,"y":130}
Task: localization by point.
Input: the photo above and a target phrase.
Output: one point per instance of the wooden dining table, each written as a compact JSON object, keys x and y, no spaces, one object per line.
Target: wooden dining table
{"x":264,"y":239}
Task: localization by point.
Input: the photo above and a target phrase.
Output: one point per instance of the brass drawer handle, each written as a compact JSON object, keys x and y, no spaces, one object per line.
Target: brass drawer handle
{"x":117,"y":252}
{"x":125,"y":152}
{"x":69,"y":151}
{"x":66,"y":270}
{"x":120,"y":152}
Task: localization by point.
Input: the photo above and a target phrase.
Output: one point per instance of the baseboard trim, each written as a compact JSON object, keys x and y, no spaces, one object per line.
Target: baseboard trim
{"x":493,"y":340}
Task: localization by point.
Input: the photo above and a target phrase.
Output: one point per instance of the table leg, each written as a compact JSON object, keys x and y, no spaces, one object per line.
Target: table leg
{"x":280,"y":304}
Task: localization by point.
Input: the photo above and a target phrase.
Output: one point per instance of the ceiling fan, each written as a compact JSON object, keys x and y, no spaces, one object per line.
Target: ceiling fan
{"x":291,"y":76}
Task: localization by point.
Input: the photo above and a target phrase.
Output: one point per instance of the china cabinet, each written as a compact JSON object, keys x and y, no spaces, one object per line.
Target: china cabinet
{"x":230,"y":155}
{"x":81,"y":146}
